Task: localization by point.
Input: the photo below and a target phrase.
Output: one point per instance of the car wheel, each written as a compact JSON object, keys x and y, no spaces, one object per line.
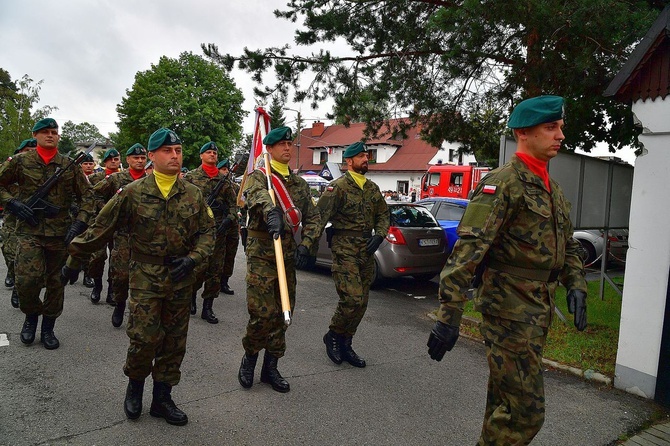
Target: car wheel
{"x":376,"y":276}
{"x":588,"y":252}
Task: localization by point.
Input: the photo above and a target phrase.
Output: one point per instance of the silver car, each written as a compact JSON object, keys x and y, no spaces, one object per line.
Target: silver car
{"x":415,"y":245}
{"x":593,"y":244}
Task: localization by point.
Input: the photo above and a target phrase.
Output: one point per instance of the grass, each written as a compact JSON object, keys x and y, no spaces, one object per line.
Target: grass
{"x":594,"y":348}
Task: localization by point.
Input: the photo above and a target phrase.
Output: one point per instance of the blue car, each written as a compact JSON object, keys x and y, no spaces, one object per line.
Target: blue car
{"x":448,"y":212}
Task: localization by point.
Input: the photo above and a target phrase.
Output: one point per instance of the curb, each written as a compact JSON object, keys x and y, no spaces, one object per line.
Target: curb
{"x":589,"y":375}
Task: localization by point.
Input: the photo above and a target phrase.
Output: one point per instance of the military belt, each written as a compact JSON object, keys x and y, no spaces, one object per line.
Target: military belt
{"x":350,"y":233}
{"x":153,"y":260}
{"x":259,"y":234}
{"x":543,"y":275}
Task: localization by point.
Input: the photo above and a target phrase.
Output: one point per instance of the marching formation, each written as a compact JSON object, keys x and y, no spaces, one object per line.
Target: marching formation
{"x":170,"y":233}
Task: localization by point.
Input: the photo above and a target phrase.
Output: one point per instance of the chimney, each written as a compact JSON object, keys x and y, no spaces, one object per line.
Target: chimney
{"x":317,"y":128}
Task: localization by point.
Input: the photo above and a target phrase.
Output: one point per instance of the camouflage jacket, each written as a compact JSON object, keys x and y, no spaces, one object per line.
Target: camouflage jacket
{"x":97,"y":177}
{"x":176,"y":226}
{"x":349,"y":207}
{"x":107,"y":187}
{"x":259,"y":203}
{"x":29,"y":172}
{"x":516,"y":221}
{"x":225,"y":203}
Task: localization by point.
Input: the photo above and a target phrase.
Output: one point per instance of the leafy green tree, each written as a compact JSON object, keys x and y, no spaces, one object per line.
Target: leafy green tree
{"x":71,"y":134}
{"x":458,"y":67}
{"x":276,"y":111}
{"x":189,"y":95}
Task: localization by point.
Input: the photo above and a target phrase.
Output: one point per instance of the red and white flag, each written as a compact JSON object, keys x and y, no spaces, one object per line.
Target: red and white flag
{"x":261,"y":128}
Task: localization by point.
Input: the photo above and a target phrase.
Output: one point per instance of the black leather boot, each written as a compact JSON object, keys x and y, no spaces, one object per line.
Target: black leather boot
{"x":97,"y":289}
{"x":225,"y":289}
{"x":270,"y":374}
{"x":15,"y":298}
{"x":194,"y":305}
{"x":162,"y":405}
{"x":117,"y":314}
{"x":29,"y":329}
{"x":48,"y":338}
{"x":332,"y":341}
{"x":348,"y":353}
{"x":110,"y":295}
{"x":88,"y":282}
{"x":132,"y":405}
{"x":9,"y":280}
{"x":207,"y":313}
{"x":246,"y":374}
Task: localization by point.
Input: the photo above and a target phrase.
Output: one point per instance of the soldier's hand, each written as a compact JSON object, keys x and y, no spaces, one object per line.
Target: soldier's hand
{"x":577,"y":306}
{"x":442,"y":339}
{"x":223,"y":227}
{"x":21,"y":210}
{"x":181,"y":268}
{"x":302,"y":257}
{"x":68,"y":274}
{"x":373,"y":243}
{"x":275,"y":222}
{"x":77,"y":228}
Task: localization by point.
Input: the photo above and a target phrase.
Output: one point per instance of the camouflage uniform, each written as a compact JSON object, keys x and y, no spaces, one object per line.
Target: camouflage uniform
{"x":223,"y":206}
{"x":104,"y":191}
{"x":521,"y":231}
{"x":231,"y":239}
{"x":266,"y":329}
{"x":352,"y":210}
{"x":159,"y":229}
{"x":41,"y":249}
{"x":96,"y":262}
{"x":9,"y":236}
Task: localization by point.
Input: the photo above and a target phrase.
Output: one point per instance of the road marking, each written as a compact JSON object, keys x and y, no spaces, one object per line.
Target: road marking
{"x":3,"y":340}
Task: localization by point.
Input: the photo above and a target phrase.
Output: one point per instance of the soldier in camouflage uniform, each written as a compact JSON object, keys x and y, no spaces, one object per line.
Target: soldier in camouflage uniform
{"x":41,"y":242}
{"x":516,"y":239}
{"x":105,"y":190}
{"x":231,"y":236}
{"x":88,"y":167}
{"x":360,"y":220}
{"x":96,"y":264}
{"x":171,"y":231}
{"x":266,"y":328}
{"x":206,"y":177}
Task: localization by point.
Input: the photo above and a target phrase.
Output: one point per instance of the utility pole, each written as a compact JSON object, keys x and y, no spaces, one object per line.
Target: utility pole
{"x":297,"y":141}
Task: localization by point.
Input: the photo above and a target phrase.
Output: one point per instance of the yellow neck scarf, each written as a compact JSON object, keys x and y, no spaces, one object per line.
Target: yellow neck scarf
{"x":358,"y":178}
{"x":280,"y":167}
{"x":164,"y":182}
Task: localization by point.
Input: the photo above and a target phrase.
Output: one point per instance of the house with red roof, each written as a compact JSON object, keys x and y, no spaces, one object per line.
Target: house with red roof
{"x":396,"y":163}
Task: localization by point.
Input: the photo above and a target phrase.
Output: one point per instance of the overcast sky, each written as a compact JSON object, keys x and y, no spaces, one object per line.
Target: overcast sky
{"x":87,"y":52}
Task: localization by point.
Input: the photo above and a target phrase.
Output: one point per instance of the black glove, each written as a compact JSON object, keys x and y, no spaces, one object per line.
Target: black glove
{"x":77,"y":227}
{"x":302,"y":257}
{"x":181,"y":268}
{"x":22,"y":211}
{"x":577,"y":305}
{"x":68,"y":274}
{"x":373,"y":243}
{"x":442,"y":339}
{"x":275,"y":221}
{"x":223,"y":227}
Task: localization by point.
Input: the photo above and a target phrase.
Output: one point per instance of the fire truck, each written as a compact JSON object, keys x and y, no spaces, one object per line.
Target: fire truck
{"x":447,"y":180}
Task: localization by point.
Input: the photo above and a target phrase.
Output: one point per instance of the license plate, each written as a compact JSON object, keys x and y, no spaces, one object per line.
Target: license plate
{"x":429,"y":241}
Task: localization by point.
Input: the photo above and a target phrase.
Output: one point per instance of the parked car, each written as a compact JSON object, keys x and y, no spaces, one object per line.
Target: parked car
{"x":593,"y":244}
{"x":448,"y":212}
{"x":415,"y":245}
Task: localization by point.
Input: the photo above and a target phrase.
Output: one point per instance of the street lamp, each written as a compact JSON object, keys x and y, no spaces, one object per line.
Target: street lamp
{"x":297,"y":141}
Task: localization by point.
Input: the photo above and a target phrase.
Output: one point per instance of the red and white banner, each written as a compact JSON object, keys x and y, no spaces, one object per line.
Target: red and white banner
{"x":261,"y":128}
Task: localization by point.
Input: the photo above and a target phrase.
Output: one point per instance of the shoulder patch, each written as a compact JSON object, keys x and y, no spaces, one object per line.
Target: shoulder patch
{"x":330,"y":188}
{"x":119,"y":190}
{"x":489,"y":189}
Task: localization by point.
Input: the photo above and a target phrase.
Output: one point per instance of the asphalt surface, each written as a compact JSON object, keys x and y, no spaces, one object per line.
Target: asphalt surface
{"x":74,"y":395}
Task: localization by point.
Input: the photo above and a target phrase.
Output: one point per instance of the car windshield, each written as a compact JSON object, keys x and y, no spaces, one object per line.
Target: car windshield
{"x":411,"y":217}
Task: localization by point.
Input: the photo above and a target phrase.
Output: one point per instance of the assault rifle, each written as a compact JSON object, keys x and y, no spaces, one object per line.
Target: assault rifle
{"x":211,"y":198}
{"x":38,"y":202}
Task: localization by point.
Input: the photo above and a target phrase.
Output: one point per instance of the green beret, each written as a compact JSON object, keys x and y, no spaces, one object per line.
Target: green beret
{"x":208,"y":146}
{"x":111,"y":152}
{"x":162,"y":137}
{"x":46,"y":123}
{"x":537,"y":110}
{"x":32,"y":142}
{"x":136,"y":149}
{"x":223,"y":163}
{"x":354,"y":149}
{"x":88,"y":158}
{"x":278,"y":134}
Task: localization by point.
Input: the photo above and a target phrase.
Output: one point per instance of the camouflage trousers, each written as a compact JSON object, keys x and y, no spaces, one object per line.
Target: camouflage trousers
{"x":157,"y":328}
{"x":118,"y":267}
{"x":353,"y":278}
{"x":515,"y":398}
{"x":209,"y":272}
{"x":231,"y":242}
{"x":96,"y":263}
{"x":9,"y":243}
{"x":266,"y":328}
{"x":38,"y":263}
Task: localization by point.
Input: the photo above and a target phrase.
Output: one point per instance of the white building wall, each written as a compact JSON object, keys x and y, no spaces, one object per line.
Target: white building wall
{"x":442,"y":155}
{"x":648,"y":258}
{"x":389,"y":181}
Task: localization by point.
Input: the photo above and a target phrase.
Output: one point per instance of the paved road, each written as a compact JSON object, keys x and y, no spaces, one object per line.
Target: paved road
{"x":74,"y":395}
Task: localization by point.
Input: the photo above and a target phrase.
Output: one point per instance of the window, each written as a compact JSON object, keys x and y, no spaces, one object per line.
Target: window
{"x":450,"y":212}
{"x":323,"y":157}
{"x":402,"y":187}
{"x":434,"y":179}
{"x":372,"y":155}
{"x":456,"y":179}
{"x":411,"y":217}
